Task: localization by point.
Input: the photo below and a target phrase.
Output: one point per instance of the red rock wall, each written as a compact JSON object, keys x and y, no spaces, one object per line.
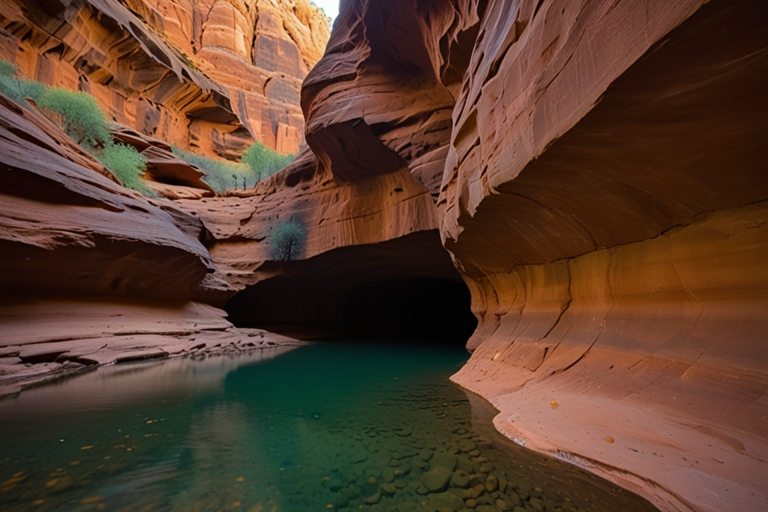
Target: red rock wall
{"x":604,"y":199}
{"x":210,"y":76}
{"x":597,"y":175}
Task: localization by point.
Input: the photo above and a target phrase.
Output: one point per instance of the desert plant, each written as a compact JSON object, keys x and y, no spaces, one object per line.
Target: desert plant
{"x":83,"y":119}
{"x":222,"y":175}
{"x":263,"y":161}
{"x":287,"y":241}
{"x":128,"y":165}
{"x":18,"y":89}
{"x":6,"y":68}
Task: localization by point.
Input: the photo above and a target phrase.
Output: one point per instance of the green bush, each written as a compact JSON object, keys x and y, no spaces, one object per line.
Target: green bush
{"x":128,"y":165}
{"x":6,"y":68}
{"x":18,"y":89}
{"x":287,"y":241}
{"x":259,"y":162}
{"x":222,"y":175}
{"x":264,"y":162}
{"x":84,"y":120}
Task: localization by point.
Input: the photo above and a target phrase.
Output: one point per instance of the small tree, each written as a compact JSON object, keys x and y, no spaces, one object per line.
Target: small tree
{"x":287,"y":241}
{"x":263,"y":161}
{"x":83,"y":118}
{"x":128,"y":165}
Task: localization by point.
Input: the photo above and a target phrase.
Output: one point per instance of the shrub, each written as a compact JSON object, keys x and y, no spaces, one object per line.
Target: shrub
{"x":83,"y":119}
{"x":287,"y":241}
{"x":18,"y":89}
{"x":222,"y":175}
{"x":264,"y":162}
{"x":6,"y":68}
{"x":128,"y":165}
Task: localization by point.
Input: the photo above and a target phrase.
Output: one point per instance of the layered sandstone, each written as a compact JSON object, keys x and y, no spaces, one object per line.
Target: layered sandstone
{"x":378,"y":122}
{"x":93,"y":273}
{"x":208,"y":76}
{"x":596,"y":171}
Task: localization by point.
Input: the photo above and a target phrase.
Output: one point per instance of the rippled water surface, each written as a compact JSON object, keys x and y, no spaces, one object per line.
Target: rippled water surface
{"x":331,"y":426}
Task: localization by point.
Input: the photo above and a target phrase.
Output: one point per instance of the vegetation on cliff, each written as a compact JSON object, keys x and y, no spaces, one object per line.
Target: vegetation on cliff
{"x":259,"y":162}
{"x":81,"y":117}
{"x":287,"y":241}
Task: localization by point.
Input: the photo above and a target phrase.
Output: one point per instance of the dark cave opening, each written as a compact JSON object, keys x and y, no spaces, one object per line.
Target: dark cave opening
{"x":421,"y":310}
{"x":405,"y":289}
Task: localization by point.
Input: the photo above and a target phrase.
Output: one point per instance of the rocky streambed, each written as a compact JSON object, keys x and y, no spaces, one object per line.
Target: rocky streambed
{"x":323,"y":426}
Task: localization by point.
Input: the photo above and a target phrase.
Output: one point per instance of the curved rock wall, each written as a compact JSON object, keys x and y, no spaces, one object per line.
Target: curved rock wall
{"x":612,"y":236}
{"x":210,"y":76}
{"x":597,"y":171}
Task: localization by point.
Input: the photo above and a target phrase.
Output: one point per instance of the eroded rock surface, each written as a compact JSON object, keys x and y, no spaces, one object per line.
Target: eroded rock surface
{"x":210,"y":76}
{"x":93,"y":273}
{"x":597,"y":175}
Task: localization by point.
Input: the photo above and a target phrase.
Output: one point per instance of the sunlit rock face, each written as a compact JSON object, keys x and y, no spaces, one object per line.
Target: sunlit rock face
{"x":209,"y":75}
{"x":595,"y":172}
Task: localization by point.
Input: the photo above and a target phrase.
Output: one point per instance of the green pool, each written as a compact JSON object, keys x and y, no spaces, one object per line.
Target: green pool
{"x":332,"y":426}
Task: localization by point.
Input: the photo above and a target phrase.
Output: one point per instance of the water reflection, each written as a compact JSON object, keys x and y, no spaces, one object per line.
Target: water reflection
{"x":342,"y":427}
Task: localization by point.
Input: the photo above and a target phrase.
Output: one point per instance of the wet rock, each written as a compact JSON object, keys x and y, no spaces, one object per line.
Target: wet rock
{"x":467,"y":446}
{"x":371,"y":500}
{"x":422,"y":490}
{"x":460,"y":478}
{"x":504,"y":505}
{"x":388,"y":489}
{"x":471,"y":503}
{"x":491,"y":483}
{"x":514,"y":498}
{"x":445,"y":502}
{"x":436,"y":480}
{"x":443,"y":460}
{"x":388,"y":474}
{"x":471,"y":493}
{"x":426,"y":454}
{"x":464,"y":464}
{"x":537,"y":504}
{"x":477,"y":480}
{"x":502,"y":483}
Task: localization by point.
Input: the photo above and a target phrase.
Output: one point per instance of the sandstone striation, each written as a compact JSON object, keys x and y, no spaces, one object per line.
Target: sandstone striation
{"x":93,"y":273}
{"x":208,"y":76}
{"x":595,"y":170}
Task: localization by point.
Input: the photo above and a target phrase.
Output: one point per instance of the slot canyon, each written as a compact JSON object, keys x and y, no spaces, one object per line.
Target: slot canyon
{"x":573,"y":191}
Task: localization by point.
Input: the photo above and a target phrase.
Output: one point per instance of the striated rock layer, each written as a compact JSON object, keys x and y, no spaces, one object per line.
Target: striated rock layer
{"x":605,"y":201}
{"x":595,"y":171}
{"x":210,"y":76}
{"x":94,"y":273}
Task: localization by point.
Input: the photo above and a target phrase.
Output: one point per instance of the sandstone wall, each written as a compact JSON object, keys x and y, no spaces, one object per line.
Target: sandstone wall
{"x":210,"y":76}
{"x":604,"y":199}
{"x":94,"y":273}
{"x":597,"y":175}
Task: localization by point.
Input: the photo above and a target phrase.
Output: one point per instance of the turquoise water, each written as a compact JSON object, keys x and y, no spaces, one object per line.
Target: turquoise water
{"x":319,"y":427}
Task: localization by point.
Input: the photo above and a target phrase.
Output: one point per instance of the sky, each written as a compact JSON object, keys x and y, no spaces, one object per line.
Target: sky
{"x":331,"y":7}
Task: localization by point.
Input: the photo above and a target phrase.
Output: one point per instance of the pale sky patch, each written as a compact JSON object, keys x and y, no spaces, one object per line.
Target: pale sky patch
{"x":331,"y":7}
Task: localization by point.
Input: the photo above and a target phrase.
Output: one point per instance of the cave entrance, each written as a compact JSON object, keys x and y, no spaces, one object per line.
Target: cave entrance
{"x":408,"y":309}
{"x":400,"y":290}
